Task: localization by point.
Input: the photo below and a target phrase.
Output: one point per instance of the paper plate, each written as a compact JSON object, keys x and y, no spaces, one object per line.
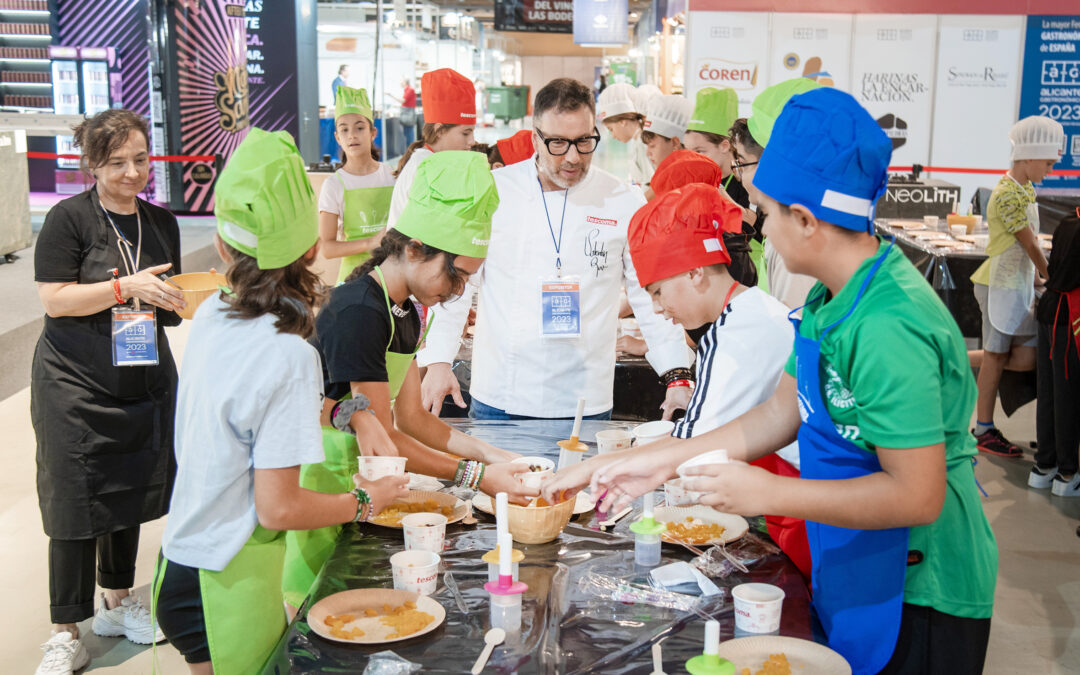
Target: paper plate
{"x":418,"y":481}
{"x":907,"y":224}
{"x":583,"y":504}
{"x":441,"y":498}
{"x":804,"y":656}
{"x":375,"y":632}
{"x":734,"y":526}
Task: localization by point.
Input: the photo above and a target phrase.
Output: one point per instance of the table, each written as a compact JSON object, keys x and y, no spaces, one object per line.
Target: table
{"x":564,"y":630}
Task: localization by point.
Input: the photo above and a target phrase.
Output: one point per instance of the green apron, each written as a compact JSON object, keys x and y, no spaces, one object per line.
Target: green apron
{"x":242,"y":604}
{"x":364,"y":214}
{"x":307,"y":550}
{"x":757,"y":256}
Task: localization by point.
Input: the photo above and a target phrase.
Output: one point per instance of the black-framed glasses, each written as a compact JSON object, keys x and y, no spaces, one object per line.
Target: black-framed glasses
{"x":738,"y":166}
{"x":558,"y":147}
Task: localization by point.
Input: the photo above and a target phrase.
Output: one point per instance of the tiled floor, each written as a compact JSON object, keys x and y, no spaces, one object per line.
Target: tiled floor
{"x":1036,"y":626}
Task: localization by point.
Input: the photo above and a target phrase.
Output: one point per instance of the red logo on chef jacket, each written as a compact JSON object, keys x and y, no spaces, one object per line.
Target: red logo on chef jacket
{"x":596,"y":220}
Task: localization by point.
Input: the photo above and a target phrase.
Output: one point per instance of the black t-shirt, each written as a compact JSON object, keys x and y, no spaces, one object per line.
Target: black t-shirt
{"x":737,"y":191}
{"x":353,"y":331}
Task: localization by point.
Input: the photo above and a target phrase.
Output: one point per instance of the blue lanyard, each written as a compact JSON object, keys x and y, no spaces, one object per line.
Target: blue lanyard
{"x":557,"y":242}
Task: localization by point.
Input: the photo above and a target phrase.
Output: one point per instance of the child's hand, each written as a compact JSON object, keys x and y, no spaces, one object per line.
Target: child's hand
{"x":735,"y":487}
{"x":383,"y":491}
{"x":506,"y":477}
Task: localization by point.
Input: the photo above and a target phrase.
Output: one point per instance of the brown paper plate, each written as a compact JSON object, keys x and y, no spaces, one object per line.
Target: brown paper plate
{"x":907,"y":224}
{"x":804,"y":656}
{"x":583,"y":503}
{"x":441,"y":498}
{"x":734,"y":526}
{"x":375,"y":631}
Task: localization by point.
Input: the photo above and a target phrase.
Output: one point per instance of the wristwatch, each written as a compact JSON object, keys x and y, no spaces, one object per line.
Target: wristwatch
{"x":344,"y":410}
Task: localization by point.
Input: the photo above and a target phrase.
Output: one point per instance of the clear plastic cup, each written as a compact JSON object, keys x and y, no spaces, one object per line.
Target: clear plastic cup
{"x":647,"y":550}
{"x":416,"y":571}
{"x":374,"y":468}
{"x":424,"y":531}
{"x":506,"y":612}
{"x":758,"y":607}
{"x":613,"y":440}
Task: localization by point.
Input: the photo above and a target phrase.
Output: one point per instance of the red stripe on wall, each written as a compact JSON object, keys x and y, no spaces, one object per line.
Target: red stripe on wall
{"x":891,"y":6}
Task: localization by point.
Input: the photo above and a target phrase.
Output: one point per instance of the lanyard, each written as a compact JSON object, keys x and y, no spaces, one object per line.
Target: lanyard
{"x":727,"y":298}
{"x":131,"y":262}
{"x":728,"y":181}
{"x":562,"y":219}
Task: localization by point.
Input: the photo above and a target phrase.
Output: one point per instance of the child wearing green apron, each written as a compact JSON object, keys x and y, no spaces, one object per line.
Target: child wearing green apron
{"x":368,"y":334}
{"x":355,"y":201}
{"x":878,"y":392}
{"x":247,"y":415}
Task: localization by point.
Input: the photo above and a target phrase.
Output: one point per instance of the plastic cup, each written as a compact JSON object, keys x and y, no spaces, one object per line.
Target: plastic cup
{"x":711,"y":457}
{"x":650,"y":432}
{"x":676,"y":494}
{"x":506,"y":612}
{"x":757,"y":607}
{"x":533,"y":479}
{"x":613,"y":440}
{"x":492,"y":559}
{"x":374,"y":468}
{"x":931,"y":222}
{"x":958,"y":230}
{"x":424,"y":531}
{"x":415,"y":571}
{"x":647,"y":550}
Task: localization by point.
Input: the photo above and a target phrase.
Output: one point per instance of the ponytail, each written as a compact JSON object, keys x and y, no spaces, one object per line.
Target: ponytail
{"x":430,"y":135}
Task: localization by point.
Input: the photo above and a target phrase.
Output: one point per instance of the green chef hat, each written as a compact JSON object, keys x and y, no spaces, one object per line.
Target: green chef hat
{"x":352,"y":102}
{"x":769,"y":103}
{"x":715,"y":111}
{"x":451,"y":202}
{"x":263,"y":200}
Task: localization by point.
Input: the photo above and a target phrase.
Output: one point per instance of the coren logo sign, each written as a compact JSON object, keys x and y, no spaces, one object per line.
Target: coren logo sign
{"x":727,"y":73}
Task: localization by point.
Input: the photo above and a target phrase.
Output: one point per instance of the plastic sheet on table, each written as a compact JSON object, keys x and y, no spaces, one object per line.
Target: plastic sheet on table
{"x":389,"y":663}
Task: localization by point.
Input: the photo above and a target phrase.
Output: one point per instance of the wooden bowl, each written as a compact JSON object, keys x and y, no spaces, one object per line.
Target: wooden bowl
{"x":539,"y":524}
{"x":197,"y":287}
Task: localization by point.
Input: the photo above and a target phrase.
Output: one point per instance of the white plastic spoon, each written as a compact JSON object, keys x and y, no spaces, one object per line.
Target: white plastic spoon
{"x":492,"y":638}
{"x":657,"y":660}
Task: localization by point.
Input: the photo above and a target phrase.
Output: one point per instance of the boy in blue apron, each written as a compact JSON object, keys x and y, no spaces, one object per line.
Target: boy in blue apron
{"x":878,"y":393}
{"x":247,"y":416}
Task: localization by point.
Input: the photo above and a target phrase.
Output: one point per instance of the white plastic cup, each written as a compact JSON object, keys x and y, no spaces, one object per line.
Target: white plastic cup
{"x":676,"y":494}
{"x":931,"y":222}
{"x":613,"y":440}
{"x":711,"y":457}
{"x":424,"y":531}
{"x":958,"y":230}
{"x":650,"y":432}
{"x":373,"y":468}
{"x":757,"y":607}
{"x":647,"y":550}
{"x":533,"y":479}
{"x":415,"y":571}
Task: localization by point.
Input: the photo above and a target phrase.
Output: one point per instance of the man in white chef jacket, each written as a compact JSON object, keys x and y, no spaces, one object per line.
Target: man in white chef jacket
{"x":547,"y":317}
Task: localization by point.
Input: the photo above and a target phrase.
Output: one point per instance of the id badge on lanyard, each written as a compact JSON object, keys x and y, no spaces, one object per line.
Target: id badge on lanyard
{"x":560,"y":307}
{"x":134,"y":337}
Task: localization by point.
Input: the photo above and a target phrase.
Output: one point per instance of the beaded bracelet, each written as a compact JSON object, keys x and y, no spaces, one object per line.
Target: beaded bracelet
{"x":363,"y":505}
{"x":460,"y":472}
{"x":481,"y":468}
{"x":677,"y":374}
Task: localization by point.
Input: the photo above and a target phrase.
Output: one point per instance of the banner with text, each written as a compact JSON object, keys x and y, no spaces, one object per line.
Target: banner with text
{"x":601,"y":22}
{"x":1051,"y":84}
{"x":536,"y":16}
{"x":892,"y":76}
{"x":817,"y":46}
{"x":978,"y":80}
{"x":728,"y":49}
{"x":271,"y":67}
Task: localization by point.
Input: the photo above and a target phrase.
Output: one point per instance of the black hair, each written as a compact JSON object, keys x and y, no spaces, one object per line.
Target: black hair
{"x":394,"y":244}
{"x":563,"y":94}
{"x":375,"y":154}
{"x":740,"y":133}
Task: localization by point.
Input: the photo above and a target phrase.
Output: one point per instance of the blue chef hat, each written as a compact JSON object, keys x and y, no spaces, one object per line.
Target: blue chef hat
{"x":828,"y":154}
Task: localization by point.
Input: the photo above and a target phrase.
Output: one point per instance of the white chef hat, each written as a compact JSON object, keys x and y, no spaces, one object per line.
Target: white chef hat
{"x":616,"y":99}
{"x":1037,"y":137}
{"x":643,"y":94}
{"x":668,"y":115}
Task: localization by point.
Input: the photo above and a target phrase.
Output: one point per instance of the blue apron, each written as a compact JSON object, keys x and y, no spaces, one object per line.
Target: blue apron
{"x":858,"y":575}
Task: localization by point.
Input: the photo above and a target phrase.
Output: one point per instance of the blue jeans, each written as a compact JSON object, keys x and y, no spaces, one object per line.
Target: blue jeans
{"x":482,"y":411}
{"x":409,"y":131}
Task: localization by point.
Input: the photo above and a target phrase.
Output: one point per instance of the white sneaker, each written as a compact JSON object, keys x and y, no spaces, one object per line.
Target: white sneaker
{"x":63,"y":655}
{"x":130,"y":619}
{"x":1040,"y":479}
{"x":1066,"y":488}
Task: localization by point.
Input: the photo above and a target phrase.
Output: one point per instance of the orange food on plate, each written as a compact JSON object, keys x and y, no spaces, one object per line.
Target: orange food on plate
{"x":694,"y":532}
{"x":776,"y":664}
{"x":393,"y":514}
{"x":370,"y":612}
{"x":406,"y":621}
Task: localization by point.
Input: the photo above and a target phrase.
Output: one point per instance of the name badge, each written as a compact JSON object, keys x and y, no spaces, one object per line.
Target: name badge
{"x":560,"y":308}
{"x":134,"y":337}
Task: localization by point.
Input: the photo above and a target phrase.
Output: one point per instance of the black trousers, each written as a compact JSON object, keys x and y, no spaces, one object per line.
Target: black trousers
{"x":935,"y":643}
{"x":71,"y":571}
{"x":1057,"y":413}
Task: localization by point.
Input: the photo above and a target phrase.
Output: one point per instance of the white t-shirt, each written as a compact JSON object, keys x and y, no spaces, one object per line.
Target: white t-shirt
{"x":249,"y":398}
{"x":403,"y":184}
{"x":740,"y":361}
{"x":332,"y":197}
{"x":791,"y":289}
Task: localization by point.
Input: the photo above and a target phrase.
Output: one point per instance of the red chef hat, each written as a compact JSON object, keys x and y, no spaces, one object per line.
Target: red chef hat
{"x":448,"y":97}
{"x":516,"y":148}
{"x":681,"y":230}
{"x":683,"y":167}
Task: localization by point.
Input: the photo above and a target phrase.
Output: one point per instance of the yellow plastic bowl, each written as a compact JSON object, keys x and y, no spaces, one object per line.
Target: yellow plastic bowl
{"x":539,"y":524}
{"x":197,"y":286}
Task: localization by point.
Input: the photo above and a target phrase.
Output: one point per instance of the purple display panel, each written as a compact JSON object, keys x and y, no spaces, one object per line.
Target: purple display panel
{"x":271,"y":66}
{"x":211,"y":76}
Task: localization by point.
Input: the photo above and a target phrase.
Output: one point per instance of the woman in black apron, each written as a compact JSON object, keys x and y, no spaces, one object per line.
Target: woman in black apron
{"x":103,"y":385}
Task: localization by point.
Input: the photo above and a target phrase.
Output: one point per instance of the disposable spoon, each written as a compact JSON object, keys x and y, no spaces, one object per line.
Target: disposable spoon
{"x":492,"y":638}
